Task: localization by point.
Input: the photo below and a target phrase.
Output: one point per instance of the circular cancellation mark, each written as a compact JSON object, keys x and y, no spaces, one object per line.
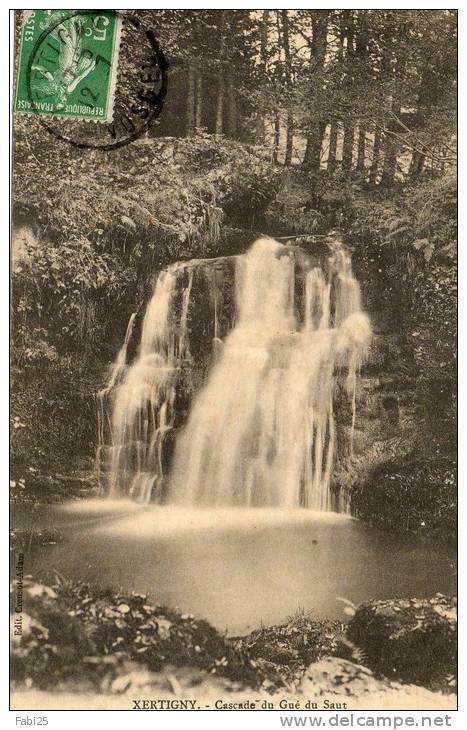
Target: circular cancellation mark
{"x":95,"y":79}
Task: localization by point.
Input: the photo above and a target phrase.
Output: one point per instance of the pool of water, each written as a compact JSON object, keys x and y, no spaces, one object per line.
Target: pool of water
{"x":236,"y":567}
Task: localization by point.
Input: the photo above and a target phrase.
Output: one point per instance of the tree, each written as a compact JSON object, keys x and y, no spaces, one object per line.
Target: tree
{"x":378,"y":85}
{"x":288,"y":85}
{"x":318,"y":45}
{"x":221,"y":78}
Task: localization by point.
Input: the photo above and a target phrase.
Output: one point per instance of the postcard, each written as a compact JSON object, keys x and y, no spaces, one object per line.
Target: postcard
{"x":233,"y":402}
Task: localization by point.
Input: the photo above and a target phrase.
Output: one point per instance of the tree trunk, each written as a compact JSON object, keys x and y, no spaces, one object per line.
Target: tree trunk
{"x":361,"y":52}
{"x":319,"y":25}
{"x":220,"y":106}
{"x":417,"y":164}
{"x":361,"y":148}
{"x":190,"y":101}
{"x":332,"y":148}
{"x":347,"y":33}
{"x":289,"y":139}
{"x":443,"y":161}
{"x":347,"y":147}
{"x":374,"y":162}
{"x":348,"y":29}
{"x":390,"y":152}
{"x":276,"y":140}
{"x":199,"y":101}
{"x":260,"y":120}
{"x":393,"y":66}
{"x":221,"y":81}
{"x":232,"y":109}
{"x":312,"y":157}
{"x":424,"y":106}
{"x":288,"y":81}
{"x":334,"y":131}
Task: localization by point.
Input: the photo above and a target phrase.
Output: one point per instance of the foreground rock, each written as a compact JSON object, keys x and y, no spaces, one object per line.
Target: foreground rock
{"x":83,"y":647}
{"x":73,"y":634}
{"x":287,"y":650}
{"x":411,"y":640}
{"x":338,"y":684}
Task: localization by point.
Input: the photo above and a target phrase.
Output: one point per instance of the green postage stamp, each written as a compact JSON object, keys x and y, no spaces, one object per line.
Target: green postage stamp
{"x":68,"y":63}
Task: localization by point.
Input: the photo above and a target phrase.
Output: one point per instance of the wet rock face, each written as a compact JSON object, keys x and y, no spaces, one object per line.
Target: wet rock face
{"x":387,"y":434}
{"x":411,"y":640}
{"x":387,"y":425}
{"x":402,"y":473}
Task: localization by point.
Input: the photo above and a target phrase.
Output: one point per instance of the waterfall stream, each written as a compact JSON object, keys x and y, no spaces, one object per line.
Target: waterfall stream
{"x":261,"y":428}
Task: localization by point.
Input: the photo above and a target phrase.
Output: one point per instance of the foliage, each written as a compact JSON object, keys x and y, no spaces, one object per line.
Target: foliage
{"x":44,"y":438}
{"x":283,"y":77}
{"x":62,"y":296}
{"x":64,"y":285}
{"x":83,"y":261}
{"x":43,"y":537}
{"x":404,"y":248}
{"x":414,"y":234}
{"x":52,"y":643}
{"x":162,"y":197}
{"x":73,"y":631}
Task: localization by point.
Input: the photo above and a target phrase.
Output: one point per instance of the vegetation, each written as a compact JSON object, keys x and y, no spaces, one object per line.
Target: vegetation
{"x":284,"y":122}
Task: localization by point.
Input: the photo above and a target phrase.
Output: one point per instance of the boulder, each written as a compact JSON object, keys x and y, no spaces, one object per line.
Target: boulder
{"x":413,"y":640}
{"x":283,"y":652}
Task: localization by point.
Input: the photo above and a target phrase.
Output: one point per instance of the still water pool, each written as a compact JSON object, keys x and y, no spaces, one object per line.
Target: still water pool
{"x":236,"y":567}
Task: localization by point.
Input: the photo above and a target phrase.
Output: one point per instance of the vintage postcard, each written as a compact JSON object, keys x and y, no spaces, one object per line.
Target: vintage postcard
{"x":233,"y":402}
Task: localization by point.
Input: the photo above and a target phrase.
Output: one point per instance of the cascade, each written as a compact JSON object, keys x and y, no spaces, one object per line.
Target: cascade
{"x":261,"y":428}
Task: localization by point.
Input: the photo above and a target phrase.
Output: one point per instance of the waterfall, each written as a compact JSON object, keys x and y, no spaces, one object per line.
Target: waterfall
{"x":142,"y":402}
{"x":261,"y":429}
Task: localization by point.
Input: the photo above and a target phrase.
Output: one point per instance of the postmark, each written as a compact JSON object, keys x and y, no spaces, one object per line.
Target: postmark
{"x":76,"y":68}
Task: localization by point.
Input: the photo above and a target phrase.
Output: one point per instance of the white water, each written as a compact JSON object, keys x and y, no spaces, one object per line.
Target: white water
{"x":143,"y":402}
{"x":261,"y":431}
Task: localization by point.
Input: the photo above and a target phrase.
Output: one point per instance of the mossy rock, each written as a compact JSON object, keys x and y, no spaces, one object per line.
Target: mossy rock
{"x":410,"y":494}
{"x":413,"y":640}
